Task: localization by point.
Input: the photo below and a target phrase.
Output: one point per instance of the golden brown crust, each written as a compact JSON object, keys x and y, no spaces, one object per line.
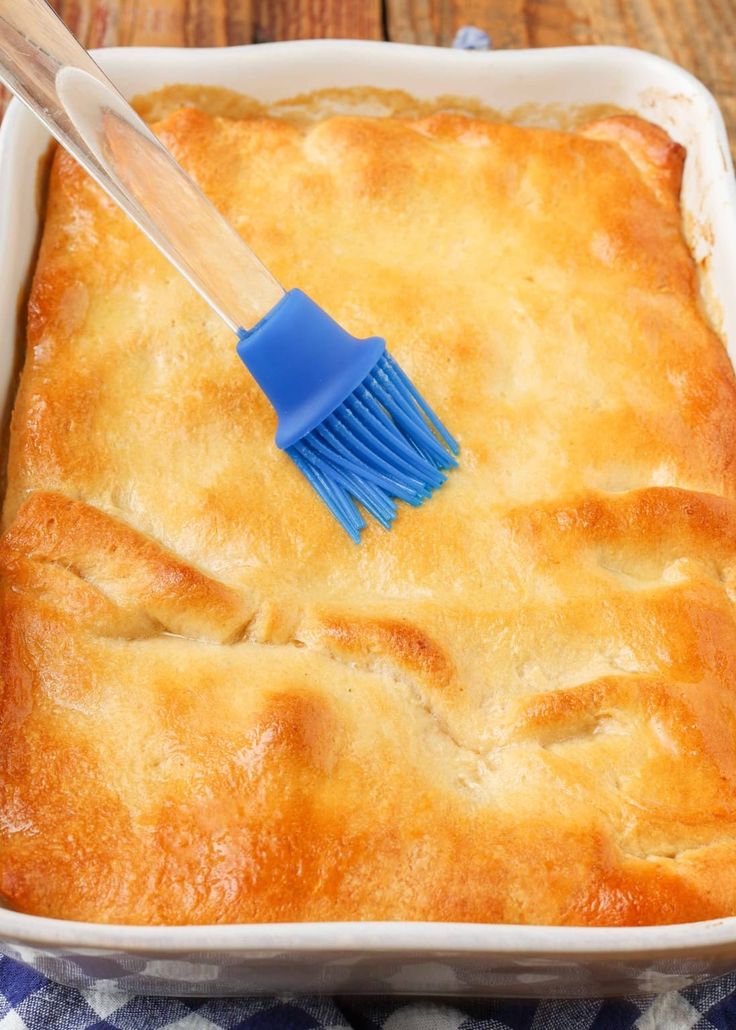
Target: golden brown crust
{"x":132,"y":571}
{"x":659,"y":159}
{"x":518,"y":706}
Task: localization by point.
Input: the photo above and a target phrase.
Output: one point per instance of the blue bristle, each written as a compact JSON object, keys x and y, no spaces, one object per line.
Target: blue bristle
{"x":358,"y":409}
{"x":391,"y":391}
{"x":384,"y":443}
{"x":416,"y":396}
{"x":334,"y":496}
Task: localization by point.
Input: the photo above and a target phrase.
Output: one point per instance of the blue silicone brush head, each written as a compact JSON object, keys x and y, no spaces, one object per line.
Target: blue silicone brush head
{"x":349,"y":417}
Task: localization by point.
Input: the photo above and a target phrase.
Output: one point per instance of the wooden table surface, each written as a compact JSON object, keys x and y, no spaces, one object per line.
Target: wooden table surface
{"x":698,"y":34}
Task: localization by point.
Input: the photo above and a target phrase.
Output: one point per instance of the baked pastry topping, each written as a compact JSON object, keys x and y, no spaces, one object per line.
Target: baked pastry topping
{"x":518,"y":705}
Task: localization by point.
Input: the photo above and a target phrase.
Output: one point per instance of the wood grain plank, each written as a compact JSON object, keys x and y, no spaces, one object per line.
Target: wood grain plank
{"x":98,"y":23}
{"x":239,"y":22}
{"x":317,"y":19}
{"x":162,"y":23}
{"x":558,"y":23}
{"x":435,"y":22}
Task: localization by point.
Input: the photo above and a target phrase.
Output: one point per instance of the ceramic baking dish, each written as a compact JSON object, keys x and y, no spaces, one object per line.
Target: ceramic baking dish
{"x":393,"y":957}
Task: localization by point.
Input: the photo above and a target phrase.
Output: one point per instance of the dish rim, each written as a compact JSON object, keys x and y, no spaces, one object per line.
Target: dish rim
{"x":369,"y":937}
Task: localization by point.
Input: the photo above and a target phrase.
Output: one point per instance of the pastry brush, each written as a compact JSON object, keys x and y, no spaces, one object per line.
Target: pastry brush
{"x":347,"y":415}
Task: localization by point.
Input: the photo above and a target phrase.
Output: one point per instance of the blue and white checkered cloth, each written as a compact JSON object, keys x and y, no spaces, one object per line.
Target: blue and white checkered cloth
{"x":28,"y":1001}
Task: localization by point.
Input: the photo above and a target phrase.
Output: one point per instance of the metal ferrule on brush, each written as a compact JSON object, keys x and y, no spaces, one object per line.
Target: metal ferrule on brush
{"x":348,"y":416}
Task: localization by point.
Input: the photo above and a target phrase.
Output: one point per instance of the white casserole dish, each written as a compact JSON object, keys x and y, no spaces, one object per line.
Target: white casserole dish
{"x":392,"y":957}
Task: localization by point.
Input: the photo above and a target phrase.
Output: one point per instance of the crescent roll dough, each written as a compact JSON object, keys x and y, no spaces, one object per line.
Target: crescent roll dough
{"x":520,"y":704}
